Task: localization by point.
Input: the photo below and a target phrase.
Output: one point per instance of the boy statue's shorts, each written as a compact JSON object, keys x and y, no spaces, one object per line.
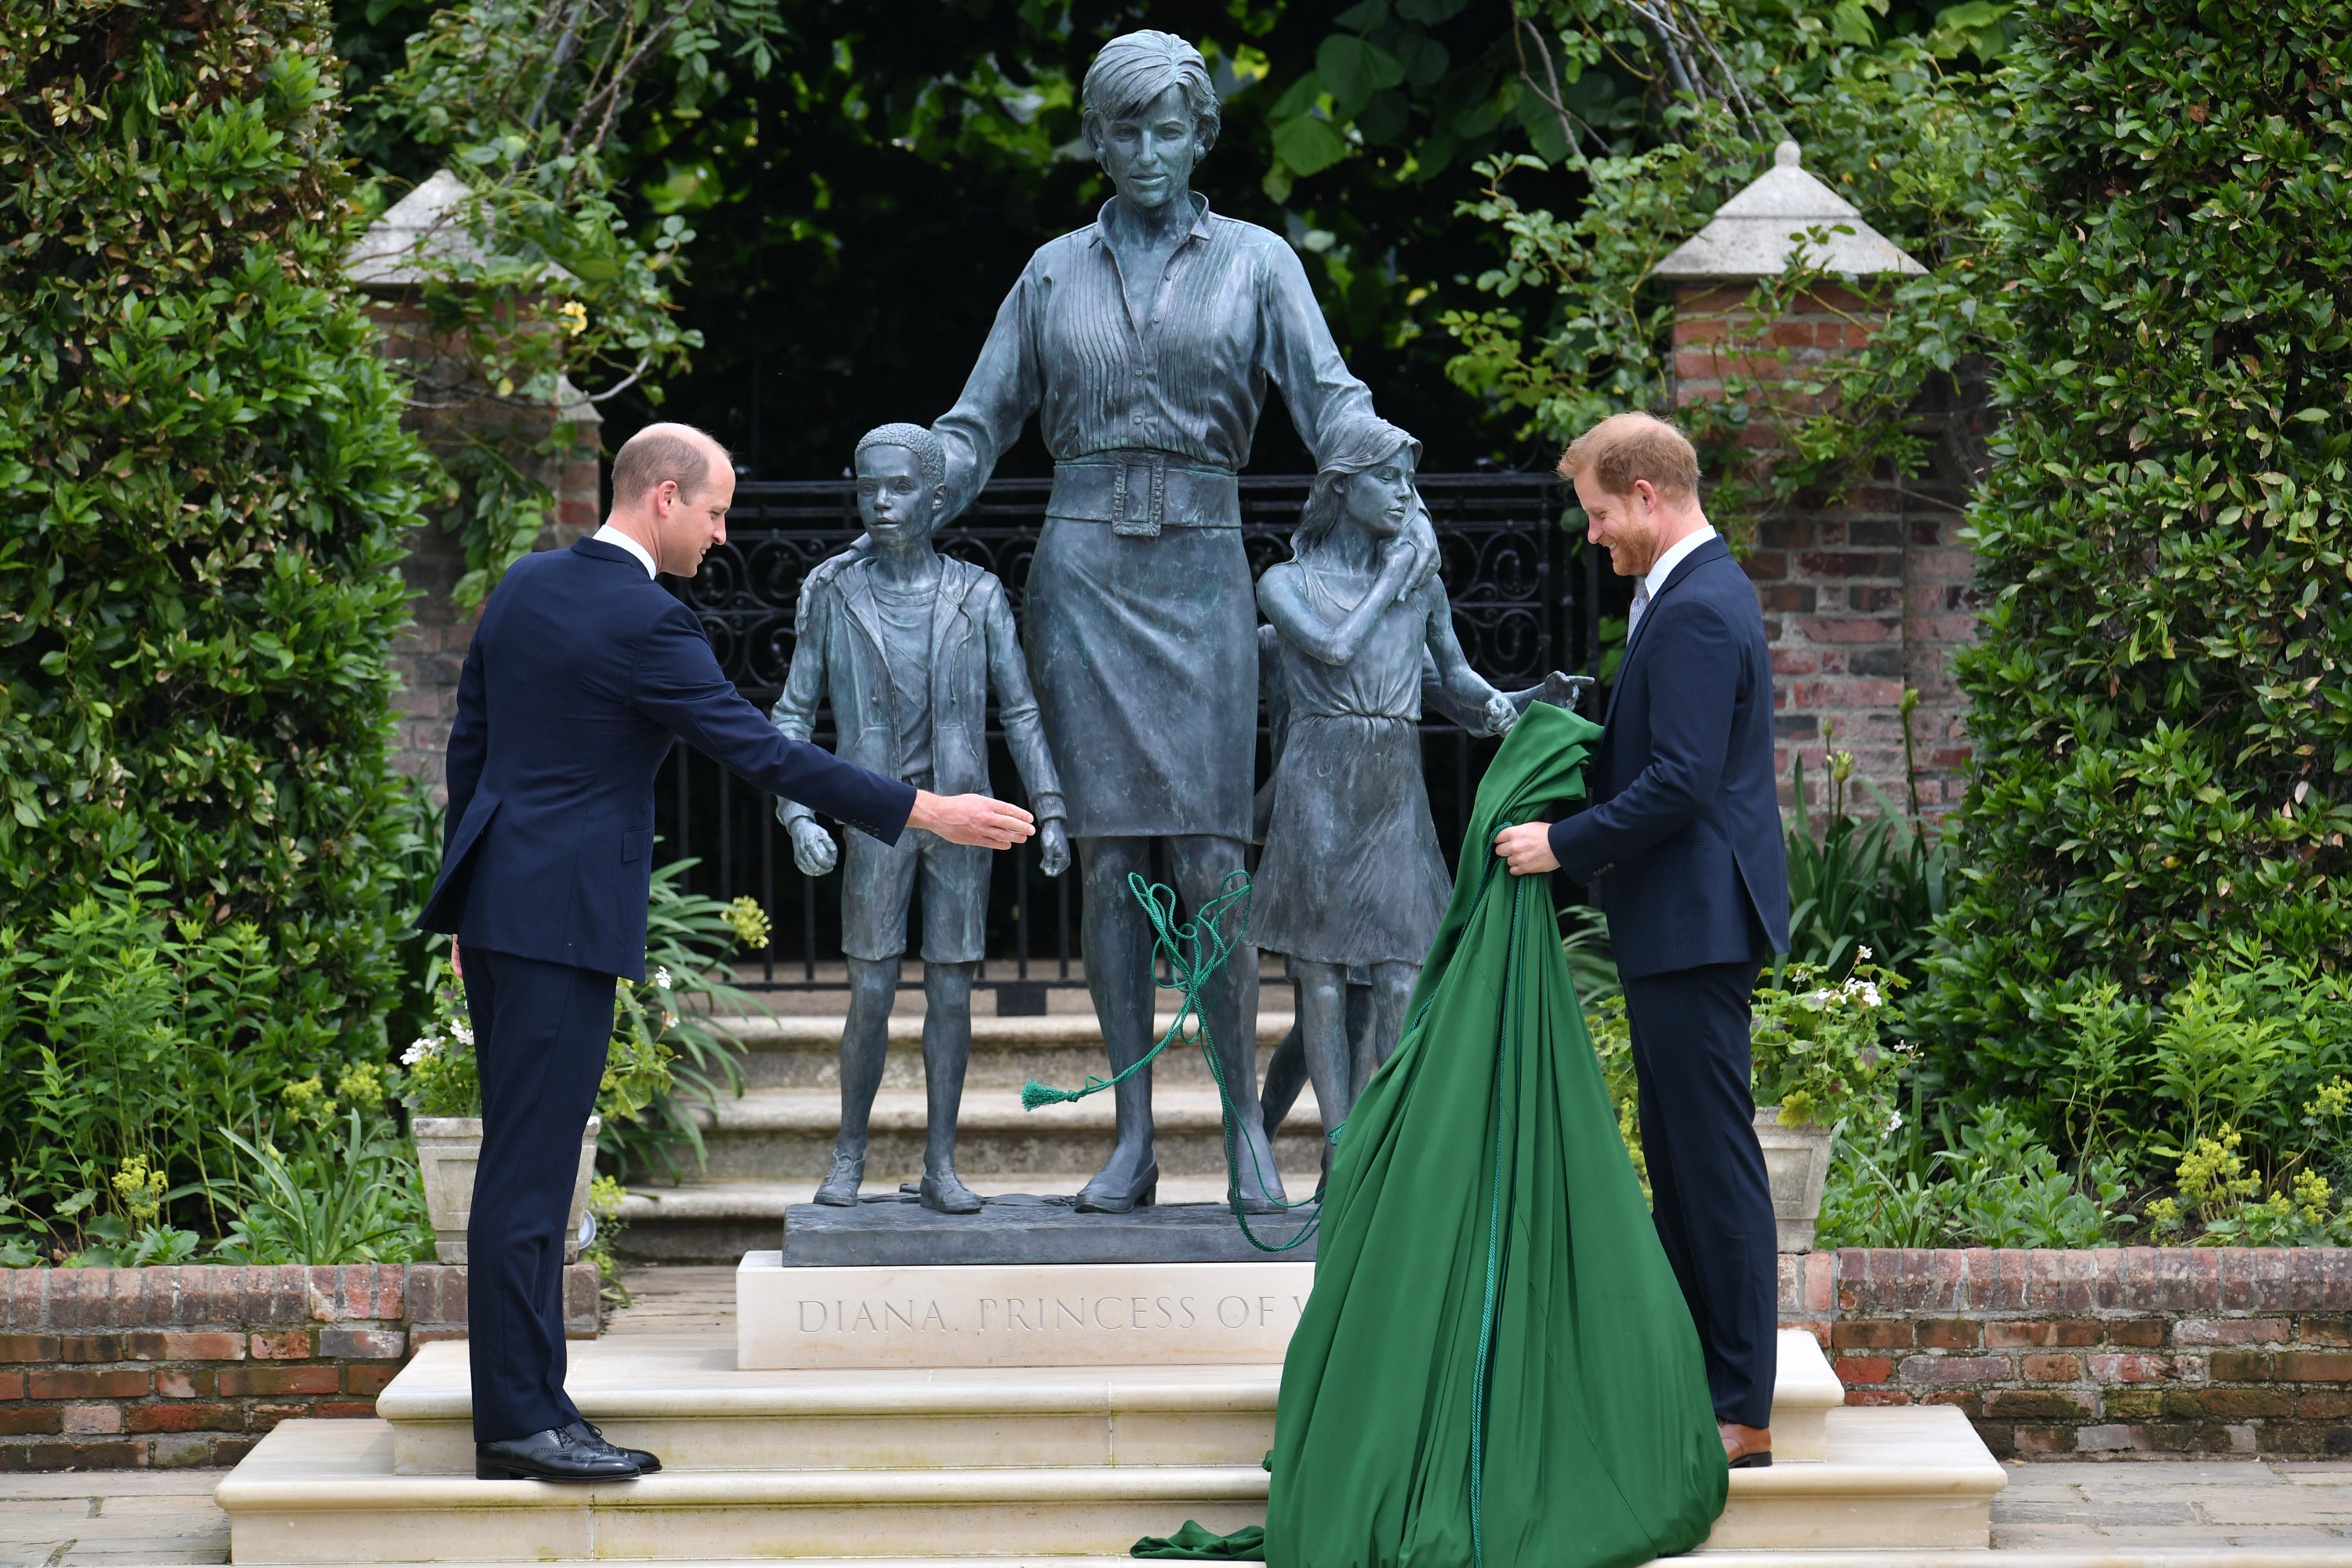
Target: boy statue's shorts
{"x":878,"y":882}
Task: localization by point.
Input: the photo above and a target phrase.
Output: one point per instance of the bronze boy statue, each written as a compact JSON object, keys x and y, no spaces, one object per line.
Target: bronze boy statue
{"x":905,"y":643}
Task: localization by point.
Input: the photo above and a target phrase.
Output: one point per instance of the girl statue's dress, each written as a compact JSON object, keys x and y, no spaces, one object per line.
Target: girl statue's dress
{"x":1496,"y":1366}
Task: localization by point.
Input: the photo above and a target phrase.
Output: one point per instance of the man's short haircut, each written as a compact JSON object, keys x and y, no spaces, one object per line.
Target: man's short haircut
{"x":1624,"y":448}
{"x":662,"y":454}
{"x":1135,"y":69}
{"x":929,"y":456}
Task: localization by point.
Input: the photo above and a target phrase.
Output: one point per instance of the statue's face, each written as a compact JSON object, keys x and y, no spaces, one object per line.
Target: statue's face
{"x":1381,"y":498}
{"x":1149,"y":156}
{"x":895,"y":504}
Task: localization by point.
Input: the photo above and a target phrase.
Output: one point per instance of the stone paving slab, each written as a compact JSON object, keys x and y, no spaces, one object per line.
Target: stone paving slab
{"x":2190,"y":1513}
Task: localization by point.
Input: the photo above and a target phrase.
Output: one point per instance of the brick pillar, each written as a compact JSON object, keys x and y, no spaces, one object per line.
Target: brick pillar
{"x":429,"y":652}
{"x":1862,"y":597}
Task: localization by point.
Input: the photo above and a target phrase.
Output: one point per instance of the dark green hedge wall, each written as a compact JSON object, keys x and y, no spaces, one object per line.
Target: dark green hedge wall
{"x":2162,"y":723}
{"x":202,"y":483}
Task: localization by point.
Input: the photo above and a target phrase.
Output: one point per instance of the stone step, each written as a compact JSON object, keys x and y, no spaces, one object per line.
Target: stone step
{"x":1894,"y":1481}
{"x":795,"y":1051}
{"x":718,"y":1222}
{"x":681,"y":1397}
{"x":779,"y":1134}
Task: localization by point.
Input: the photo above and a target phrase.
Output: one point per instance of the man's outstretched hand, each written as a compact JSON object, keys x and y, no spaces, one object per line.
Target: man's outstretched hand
{"x":1526,"y":848}
{"x":976,"y":819}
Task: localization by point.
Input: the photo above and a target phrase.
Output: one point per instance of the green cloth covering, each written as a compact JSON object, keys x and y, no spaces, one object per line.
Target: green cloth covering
{"x":1495,"y":1368}
{"x":1198,"y":1544}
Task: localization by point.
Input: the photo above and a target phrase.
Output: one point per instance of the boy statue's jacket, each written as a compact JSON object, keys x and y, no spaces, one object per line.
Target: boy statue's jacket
{"x":838,"y":654}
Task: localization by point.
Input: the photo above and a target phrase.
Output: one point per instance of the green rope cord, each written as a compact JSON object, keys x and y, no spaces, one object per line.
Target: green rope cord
{"x":1195,"y":950}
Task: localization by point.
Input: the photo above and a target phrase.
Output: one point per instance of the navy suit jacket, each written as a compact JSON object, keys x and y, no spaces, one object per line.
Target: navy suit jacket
{"x":1681,"y":844}
{"x":583,"y":674}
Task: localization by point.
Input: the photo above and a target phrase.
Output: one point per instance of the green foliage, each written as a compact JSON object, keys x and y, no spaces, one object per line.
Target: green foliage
{"x":1866,"y":885}
{"x":130,"y":1039}
{"x":2160,"y":713}
{"x":1579,"y":329}
{"x":347,"y":1199}
{"x":541,"y":276}
{"x":203,"y":482}
{"x":1999,"y":1186}
{"x":1815,"y":1043}
{"x":666,"y":1065}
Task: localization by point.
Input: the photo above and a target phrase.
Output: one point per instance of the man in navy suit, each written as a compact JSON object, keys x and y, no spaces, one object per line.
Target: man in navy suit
{"x":583,"y":674}
{"x":1682,"y":847}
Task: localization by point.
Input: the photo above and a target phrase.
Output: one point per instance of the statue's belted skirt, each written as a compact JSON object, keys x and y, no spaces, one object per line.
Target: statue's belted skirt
{"x":1143,"y":649}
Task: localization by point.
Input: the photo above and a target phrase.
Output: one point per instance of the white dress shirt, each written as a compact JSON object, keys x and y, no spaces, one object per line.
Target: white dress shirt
{"x":1655,"y":578}
{"x":608,"y":534}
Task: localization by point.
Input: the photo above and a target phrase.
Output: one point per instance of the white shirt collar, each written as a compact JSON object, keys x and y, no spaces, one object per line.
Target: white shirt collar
{"x":1676,"y":554}
{"x":608,"y":534}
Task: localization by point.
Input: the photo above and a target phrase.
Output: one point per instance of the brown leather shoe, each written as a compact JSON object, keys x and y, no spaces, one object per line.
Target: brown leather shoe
{"x":1747,"y":1447}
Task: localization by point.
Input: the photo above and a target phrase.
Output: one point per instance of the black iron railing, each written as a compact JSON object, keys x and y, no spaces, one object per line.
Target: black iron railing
{"x":1527,"y":598}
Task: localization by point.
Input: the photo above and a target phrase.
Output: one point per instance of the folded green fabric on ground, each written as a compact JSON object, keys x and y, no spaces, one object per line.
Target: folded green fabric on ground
{"x":1246,"y":1544}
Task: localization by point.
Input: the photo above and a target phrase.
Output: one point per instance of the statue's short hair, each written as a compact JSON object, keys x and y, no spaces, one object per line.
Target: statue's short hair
{"x":1134,"y":68}
{"x":667,"y":453}
{"x":929,"y":455}
{"x":1624,"y":448}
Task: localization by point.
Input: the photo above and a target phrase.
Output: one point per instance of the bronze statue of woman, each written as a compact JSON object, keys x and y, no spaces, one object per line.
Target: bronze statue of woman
{"x":1144,"y":343}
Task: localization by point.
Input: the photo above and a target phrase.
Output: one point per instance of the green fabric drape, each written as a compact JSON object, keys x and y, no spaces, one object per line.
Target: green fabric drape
{"x":1495,"y":1368}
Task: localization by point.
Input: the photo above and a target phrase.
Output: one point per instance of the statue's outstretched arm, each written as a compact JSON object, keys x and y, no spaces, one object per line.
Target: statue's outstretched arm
{"x":1004,"y":389}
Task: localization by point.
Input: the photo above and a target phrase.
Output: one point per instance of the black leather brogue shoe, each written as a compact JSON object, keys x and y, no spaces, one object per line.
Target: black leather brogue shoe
{"x":588,"y":1432}
{"x":550,"y":1455}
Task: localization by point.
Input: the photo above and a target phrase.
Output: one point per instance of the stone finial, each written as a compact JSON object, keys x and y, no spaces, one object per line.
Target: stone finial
{"x":1752,"y":234}
{"x":428,"y":223}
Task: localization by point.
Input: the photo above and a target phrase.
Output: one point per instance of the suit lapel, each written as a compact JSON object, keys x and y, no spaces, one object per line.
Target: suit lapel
{"x":1711,"y":550}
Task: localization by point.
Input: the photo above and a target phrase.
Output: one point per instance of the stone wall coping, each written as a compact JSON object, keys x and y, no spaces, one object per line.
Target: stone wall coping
{"x":1988,"y":1281}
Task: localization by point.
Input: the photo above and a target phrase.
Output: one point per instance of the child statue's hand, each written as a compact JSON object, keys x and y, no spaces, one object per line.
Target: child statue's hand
{"x":814,"y":850}
{"x":1053,"y":846}
{"x":1501,"y":714}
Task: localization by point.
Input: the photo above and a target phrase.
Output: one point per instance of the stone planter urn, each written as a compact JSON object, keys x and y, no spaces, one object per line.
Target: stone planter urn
{"x":1797,"y":1159}
{"x":449,"y":1147}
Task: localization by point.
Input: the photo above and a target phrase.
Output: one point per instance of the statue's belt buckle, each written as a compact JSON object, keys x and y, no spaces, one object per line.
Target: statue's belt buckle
{"x":1139,"y":495}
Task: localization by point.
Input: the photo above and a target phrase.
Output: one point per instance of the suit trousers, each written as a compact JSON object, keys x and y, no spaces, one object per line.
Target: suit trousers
{"x":1709,"y":1193}
{"x":540,"y":1031}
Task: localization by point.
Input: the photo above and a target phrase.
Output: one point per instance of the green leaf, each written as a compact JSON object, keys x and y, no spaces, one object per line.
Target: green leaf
{"x":1850,"y":23}
{"x":1308,"y":145}
{"x":1354,"y":70}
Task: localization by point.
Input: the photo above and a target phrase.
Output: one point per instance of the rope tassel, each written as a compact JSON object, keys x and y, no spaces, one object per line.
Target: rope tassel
{"x":1195,"y":950}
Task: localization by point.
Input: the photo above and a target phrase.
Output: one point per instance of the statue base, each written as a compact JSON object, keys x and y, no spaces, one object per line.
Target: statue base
{"x":896,"y":1232}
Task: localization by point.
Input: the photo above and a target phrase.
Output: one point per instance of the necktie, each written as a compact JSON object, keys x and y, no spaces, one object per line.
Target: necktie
{"x":1641,"y":604}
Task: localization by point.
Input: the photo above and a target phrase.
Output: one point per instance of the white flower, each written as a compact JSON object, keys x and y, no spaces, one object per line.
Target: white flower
{"x":1894,"y":1124}
{"x":463,"y":1034}
{"x":661,"y":978}
{"x":1862,"y":955}
{"x":424,"y":1048}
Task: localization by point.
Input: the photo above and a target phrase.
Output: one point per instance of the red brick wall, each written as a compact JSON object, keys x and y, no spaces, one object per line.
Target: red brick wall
{"x":1862,"y":597}
{"x":2096,"y":1354}
{"x":124,"y":1368}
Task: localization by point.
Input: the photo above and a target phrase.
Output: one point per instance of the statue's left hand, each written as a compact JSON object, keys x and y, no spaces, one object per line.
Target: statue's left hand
{"x":1421,"y":534}
{"x":1053,"y":846}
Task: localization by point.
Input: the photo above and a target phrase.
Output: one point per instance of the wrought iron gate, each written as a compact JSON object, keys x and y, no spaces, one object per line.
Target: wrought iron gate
{"x":1527,"y":597}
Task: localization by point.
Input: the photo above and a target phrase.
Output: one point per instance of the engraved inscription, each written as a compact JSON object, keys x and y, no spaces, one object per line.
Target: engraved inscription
{"x":1055,"y":1314}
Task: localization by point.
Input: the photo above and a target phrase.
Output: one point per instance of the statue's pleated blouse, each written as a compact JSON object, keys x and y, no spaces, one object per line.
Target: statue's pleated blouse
{"x":1186,"y":375}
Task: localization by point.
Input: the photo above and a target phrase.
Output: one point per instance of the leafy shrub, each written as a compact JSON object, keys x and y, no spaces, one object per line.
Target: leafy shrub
{"x":203,"y":484}
{"x":1878,"y":882}
{"x":2159,"y":711}
{"x":352,"y":1198}
{"x":1816,"y":1047}
{"x":2000,"y":1187}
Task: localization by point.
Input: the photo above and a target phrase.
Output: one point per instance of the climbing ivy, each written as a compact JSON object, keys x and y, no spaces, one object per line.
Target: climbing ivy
{"x":2160,"y":706}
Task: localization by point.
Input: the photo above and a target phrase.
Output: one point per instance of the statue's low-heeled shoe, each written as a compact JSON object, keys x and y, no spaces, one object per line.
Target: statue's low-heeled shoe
{"x":946,"y":1193}
{"x":550,"y":1455}
{"x":1096,"y":1197}
{"x":587,"y":1435}
{"x":840,"y":1185}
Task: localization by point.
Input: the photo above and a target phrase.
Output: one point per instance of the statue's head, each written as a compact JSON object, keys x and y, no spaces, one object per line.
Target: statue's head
{"x":902,"y":484}
{"x":1367,"y":483}
{"x":1151,"y":114}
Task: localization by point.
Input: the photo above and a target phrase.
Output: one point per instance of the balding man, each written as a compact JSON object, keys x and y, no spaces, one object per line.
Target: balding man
{"x":583,"y":674}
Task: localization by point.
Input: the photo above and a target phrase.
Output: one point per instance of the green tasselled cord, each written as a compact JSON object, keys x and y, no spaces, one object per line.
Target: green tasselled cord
{"x":1195,"y":950}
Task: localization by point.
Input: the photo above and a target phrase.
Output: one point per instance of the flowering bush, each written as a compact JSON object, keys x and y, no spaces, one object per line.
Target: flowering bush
{"x":1818,"y":1055}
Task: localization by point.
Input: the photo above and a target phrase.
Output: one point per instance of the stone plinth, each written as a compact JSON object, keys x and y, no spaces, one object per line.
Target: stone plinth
{"x":896,"y":1232}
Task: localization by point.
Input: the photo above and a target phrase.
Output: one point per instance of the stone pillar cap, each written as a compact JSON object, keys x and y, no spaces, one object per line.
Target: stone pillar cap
{"x":429,"y":223}
{"x":1752,"y":234}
